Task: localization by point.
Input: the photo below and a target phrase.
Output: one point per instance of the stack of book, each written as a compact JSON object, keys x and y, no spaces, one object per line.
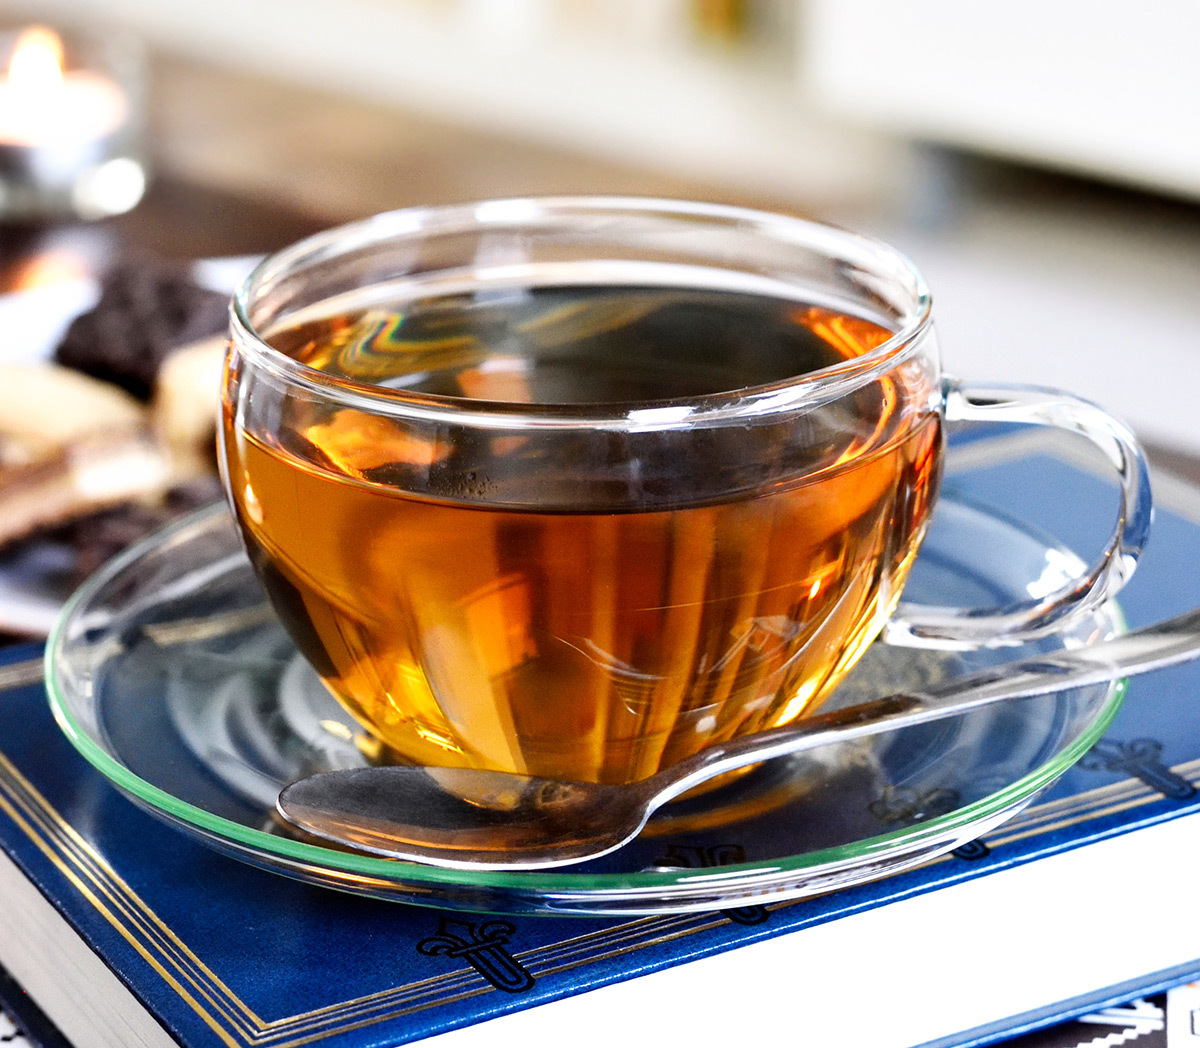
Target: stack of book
{"x":1084,"y":906}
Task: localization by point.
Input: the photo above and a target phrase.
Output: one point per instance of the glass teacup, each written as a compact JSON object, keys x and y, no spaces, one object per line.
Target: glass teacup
{"x":575,"y":488}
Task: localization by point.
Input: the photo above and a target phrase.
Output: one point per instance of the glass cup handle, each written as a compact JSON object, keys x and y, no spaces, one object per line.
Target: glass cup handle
{"x":919,"y":625}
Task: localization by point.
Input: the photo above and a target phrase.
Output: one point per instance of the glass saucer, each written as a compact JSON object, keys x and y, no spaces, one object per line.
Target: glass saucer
{"x":170,"y":674}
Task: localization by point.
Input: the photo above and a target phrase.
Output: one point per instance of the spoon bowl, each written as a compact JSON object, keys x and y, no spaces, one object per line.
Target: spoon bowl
{"x":468,"y":818}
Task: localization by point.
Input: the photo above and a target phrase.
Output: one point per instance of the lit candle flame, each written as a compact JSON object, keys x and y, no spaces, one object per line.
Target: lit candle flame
{"x":45,"y":104}
{"x":36,"y":65}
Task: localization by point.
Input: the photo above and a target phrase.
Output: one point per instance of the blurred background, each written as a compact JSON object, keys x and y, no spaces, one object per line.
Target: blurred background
{"x":1038,"y":159}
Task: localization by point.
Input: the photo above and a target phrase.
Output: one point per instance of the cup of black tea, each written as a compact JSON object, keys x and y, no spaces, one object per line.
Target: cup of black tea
{"x":577,"y":487}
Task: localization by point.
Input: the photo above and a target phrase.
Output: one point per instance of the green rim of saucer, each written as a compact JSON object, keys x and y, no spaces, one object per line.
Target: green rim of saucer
{"x":741,"y":879}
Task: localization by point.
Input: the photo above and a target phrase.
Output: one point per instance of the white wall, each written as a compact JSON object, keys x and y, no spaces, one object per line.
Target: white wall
{"x":1108,"y":87}
{"x":642,"y":91}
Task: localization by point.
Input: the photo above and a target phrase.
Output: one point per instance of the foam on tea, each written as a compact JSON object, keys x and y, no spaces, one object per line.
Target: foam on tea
{"x":594,"y":613}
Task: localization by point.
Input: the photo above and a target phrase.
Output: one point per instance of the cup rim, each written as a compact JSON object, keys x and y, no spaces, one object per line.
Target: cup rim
{"x":800,"y":392}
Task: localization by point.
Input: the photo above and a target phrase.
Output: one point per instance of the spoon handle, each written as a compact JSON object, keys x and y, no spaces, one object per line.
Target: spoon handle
{"x":1166,"y":643}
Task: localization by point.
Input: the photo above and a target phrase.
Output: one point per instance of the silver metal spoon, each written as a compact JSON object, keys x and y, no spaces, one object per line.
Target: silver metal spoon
{"x":467,"y":819}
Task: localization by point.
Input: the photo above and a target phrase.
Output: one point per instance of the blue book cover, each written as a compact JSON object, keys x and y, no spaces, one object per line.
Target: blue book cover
{"x":128,"y":932}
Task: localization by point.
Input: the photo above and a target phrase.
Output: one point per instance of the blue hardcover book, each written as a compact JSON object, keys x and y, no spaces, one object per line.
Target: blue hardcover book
{"x":129,"y":932}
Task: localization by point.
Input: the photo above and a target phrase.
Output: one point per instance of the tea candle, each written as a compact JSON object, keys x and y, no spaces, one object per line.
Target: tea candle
{"x":41,"y":105}
{"x":67,"y":141}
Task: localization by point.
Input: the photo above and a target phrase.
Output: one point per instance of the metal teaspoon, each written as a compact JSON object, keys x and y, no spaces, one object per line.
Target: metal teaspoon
{"x":468,"y":819}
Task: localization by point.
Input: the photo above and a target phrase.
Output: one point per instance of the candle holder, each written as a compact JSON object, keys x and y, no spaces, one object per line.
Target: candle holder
{"x":72,"y":105}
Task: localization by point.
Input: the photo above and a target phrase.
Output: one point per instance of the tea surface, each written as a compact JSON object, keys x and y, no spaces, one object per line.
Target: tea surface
{"x":580,"y":345}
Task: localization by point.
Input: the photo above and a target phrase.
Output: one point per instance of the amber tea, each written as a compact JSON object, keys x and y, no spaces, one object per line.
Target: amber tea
{"x":578,"y":603}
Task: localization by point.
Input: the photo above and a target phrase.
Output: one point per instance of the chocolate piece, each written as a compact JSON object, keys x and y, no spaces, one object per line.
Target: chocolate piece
{"x":103,"y":470}
{"x":145,"y":310}
{"x":102,"y":534}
